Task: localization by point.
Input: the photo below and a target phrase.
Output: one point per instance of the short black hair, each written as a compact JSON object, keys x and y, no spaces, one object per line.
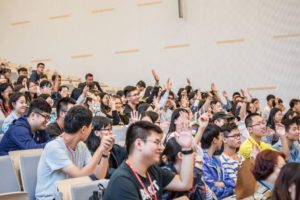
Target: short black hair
{"x":76,"y":92}
{"x":22,"y":69}
{"x":88,"y":75}
{"x":44,"y":96}
{"x":45,"y":83}
{"x":44,"y":76}
{"x":211,"y":131}
{"x":270,"y":96}
{"x":40,"y":64}
{"x":14,"y":97}
{"x":54,"y":76}
{"x":140,"y":129}
{"x":62,"y":104}
{"x":61,"y":87}
{"x":39,"y":105}
{"x":227,"y":128}
{"x":151,"y":114}
{"x":76,"y":118}
{"x":249,"y":119}
{"x":141,"y":84}
{"x":128,"y":89}
{"x":289,"y":122}
{"x":236,"y":94}
{"x":294,"y":102}
{"x":120,"y":93}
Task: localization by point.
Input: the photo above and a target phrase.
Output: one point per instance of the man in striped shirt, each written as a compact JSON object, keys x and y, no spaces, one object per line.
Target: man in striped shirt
{"x":230,"y":158}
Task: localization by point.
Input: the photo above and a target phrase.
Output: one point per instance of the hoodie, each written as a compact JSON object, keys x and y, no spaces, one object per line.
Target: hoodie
{"x":20,"y":137}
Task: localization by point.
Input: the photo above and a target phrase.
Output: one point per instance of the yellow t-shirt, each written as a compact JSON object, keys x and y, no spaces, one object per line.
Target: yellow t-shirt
{"x":247,"y":147}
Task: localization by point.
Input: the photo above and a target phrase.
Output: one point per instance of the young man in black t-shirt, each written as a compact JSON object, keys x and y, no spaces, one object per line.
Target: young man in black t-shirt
{"x":139,"y":177}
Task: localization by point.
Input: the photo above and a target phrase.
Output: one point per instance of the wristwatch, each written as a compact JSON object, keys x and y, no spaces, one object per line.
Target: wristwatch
{"x":106,"y":156}
{"x":187,"y":152}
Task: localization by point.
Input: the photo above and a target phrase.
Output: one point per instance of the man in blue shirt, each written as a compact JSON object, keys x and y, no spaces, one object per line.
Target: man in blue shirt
{"x":214,"y":174}
{"x":292,"y":133}
{"x":28,"y":132}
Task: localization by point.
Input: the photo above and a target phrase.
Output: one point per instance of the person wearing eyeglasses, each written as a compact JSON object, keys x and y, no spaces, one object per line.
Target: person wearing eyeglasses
{"x":102,"y":126}
{"x":132,"y":95}
{"x":230,"y":158}
{"x":28,"y":132}
{"x":256,"y":126}
{"x":139,"y":177}
{"x":214,"y":174}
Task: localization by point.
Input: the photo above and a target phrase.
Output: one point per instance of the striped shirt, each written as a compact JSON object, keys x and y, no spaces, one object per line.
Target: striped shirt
{"x":231,"y":166}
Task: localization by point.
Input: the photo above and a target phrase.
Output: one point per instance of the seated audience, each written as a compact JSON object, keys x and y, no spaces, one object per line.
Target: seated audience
{"x":36,"y":74}
{"x":6,"y":90}
{"x":56,"y":128}
{"x":292,"y":136}
{"x":102,"y":126}
{"x":142,"y":177}
{"x":266,"y":169}
{"x":68,"y":157}
{"x":18,"y":106}
{"x":230,"y":158}
{"x":28,"y":132}
{"x":287,"y":185}
{"x":214,"y":174}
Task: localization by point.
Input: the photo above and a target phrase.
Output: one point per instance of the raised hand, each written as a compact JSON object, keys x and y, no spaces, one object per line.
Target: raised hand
{"x":213,"y":87}
{"x":155,"y":76}
{"x":85,"y":90}
{"x":279,"y":127}
{"x":188,"y":81}
{"x":243,"y":93}
{"x":184,"y":139}
{"x":169,"y":85}
{"x":203,"y":120}
{"x":135,"y":117}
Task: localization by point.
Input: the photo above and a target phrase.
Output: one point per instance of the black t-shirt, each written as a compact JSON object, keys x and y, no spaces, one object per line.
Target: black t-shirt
{"x":124,"y":185}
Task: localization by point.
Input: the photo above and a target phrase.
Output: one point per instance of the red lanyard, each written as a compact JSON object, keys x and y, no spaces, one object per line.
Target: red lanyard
{"x":141,"y":182}
{"x":70,"y":153}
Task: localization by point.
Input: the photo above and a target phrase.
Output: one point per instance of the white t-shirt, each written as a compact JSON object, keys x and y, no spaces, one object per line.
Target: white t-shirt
{"x":56,"y":156}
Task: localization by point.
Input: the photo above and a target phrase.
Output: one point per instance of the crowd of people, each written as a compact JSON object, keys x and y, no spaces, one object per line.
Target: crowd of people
{"x":192,"y":144}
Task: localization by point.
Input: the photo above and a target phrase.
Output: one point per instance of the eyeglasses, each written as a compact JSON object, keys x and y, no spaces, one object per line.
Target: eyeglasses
{"x":235,"y":136}
{"x":47,"y":117}
{"x":157,"y":142}
{"x":259,"y":124}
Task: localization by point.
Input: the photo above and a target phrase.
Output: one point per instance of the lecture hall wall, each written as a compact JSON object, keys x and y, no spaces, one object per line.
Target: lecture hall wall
{"x":234,"y":43}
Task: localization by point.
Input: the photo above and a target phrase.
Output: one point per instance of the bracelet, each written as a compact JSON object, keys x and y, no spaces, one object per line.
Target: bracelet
{"x":187,"y":152}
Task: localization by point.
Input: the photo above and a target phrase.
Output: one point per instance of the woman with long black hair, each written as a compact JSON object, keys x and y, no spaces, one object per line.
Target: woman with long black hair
{"x":103,"y":126}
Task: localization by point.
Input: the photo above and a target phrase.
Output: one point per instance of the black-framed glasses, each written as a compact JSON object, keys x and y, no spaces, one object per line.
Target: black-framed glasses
{"x":47,"y":117}
{"x":235,"y":136}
